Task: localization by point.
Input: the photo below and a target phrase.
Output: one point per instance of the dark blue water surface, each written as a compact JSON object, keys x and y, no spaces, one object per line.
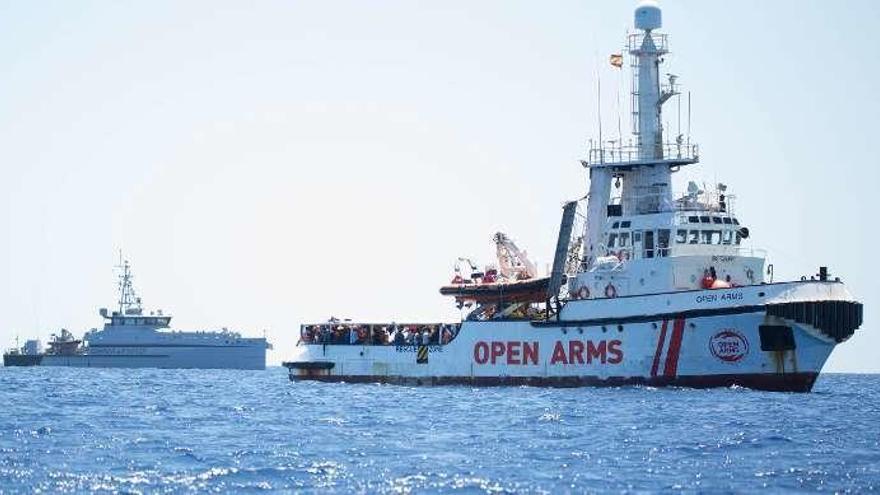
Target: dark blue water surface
{"x":64,"y":429}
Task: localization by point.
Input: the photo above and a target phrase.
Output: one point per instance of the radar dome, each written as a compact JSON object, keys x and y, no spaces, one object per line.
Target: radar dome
{"x":648,"y":15}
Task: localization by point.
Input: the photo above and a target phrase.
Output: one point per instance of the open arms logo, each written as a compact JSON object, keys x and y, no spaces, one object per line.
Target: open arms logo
{"x":729,"y":345}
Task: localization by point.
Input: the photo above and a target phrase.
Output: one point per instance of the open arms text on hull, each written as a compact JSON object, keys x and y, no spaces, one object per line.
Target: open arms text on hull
{"x":132,"y":339}
{"x":652,"y":288}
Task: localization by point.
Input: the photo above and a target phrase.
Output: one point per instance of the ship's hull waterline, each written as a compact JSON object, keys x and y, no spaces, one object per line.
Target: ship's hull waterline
{"x":770,"y":337}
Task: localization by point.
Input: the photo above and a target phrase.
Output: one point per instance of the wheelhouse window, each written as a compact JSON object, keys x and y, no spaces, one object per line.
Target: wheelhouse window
{"x":727,"y":221}
{"x":705,"y":219}
{"x":625,"y":224}
{"x":615,"y":225}
{"x":663,"y":242}
{"x":694,"y":219}
{"x":726,"y":237}
{"x":716,"y":219}
{"x":681,"y":236}
{"x":649,"y":244}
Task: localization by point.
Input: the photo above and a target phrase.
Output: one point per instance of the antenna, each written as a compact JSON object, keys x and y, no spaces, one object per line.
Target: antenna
{"x":678,"y":102}
{"x":689,"y":118}
{"x":619,"y":127}
{"x":619,"y":105}
{"x":599,"y":112}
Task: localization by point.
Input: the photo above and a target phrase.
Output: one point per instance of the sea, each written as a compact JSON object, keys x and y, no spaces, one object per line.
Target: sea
{"x":177,"y":431}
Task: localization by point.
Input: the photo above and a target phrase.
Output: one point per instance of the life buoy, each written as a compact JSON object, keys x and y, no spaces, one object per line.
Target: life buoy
{"x":583,"y":292}
{"x":610,"y":291}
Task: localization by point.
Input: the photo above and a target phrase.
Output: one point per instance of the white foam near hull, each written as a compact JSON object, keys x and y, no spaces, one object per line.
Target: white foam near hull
{"x":692,"y":338}
{"x":249,"y":357}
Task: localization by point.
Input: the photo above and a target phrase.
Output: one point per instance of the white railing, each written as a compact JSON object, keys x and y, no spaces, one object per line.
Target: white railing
{"x":659,"y":202}
{"x":620,"y":154}
{"x":634,"y":42}
{"x":713,"y":201}
{"x":721,"y":250}
{"x":751,"y":252}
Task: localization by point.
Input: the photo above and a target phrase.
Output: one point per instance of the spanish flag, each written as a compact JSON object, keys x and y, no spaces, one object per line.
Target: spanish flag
{"x":616,"y":60}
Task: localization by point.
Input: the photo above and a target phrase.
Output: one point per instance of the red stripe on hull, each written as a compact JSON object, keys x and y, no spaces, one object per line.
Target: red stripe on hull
{"x":777,"y":382}
{"x":671,"y":368}
{"x":660,"y":342}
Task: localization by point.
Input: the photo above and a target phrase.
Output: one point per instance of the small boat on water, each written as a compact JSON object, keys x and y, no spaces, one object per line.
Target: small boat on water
{"x":651,"y":288}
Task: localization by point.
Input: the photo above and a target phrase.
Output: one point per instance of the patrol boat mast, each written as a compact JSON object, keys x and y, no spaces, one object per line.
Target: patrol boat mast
{"x":129,"y":303}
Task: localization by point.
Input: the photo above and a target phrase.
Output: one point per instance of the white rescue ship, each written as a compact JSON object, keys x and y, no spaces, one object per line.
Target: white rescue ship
{"x":660,"y":289}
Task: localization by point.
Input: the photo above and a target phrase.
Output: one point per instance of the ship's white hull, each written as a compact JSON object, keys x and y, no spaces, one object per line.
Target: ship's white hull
{"x":249,"y":357}
{"x":693,"y":338}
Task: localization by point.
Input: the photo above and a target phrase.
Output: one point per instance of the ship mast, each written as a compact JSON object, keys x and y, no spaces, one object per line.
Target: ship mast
{"x":129,"y":302}
{"x":647,"y":49}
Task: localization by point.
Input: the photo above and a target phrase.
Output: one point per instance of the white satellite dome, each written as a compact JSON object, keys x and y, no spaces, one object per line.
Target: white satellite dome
{"x":648,"y":15}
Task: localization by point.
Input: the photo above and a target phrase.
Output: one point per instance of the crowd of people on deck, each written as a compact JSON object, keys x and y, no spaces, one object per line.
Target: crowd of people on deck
{"x":345,"y":333}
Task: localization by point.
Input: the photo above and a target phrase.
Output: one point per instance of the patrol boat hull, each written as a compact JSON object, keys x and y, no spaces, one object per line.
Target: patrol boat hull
{"x":246,"y":357}
{"x":770,"y":337}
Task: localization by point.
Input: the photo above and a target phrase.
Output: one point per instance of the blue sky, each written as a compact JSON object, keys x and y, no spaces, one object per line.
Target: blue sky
{"x":276,"y":162}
